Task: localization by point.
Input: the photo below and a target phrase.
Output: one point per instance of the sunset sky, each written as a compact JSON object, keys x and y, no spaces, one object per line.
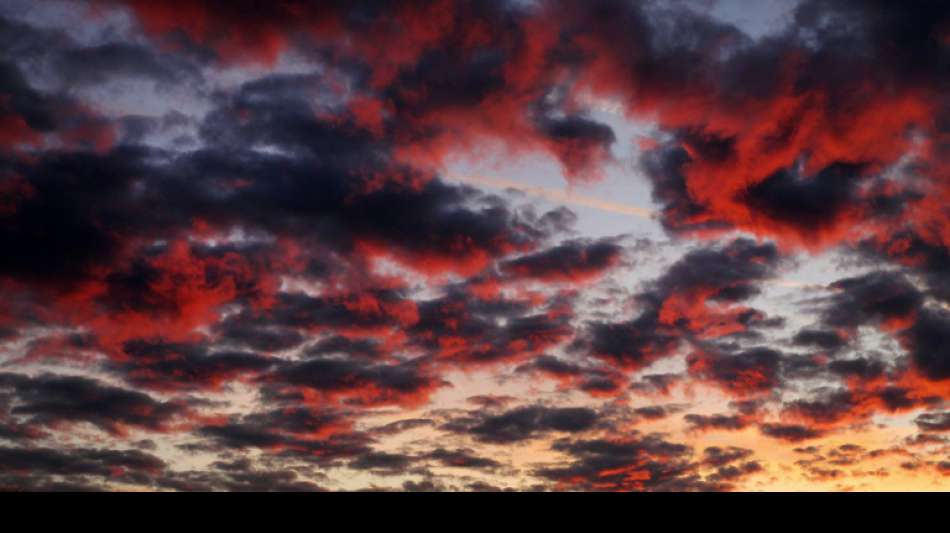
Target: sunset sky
{"x":449,"y":245}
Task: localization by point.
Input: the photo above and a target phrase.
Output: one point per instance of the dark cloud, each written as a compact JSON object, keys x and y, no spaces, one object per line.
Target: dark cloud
{"x":239,"y":476}
{"x":810,"y":203}
{"x":81,"y":468}
{"x":591,"y":379}
{"x":370,"y":309}
{"x":552,"y":365}
{"x":462,"y":458}
{"x":581,"y":144}
{"x":265,"y":339}
{"x":400,"y":426}
{"x":97,"y":64}
{"x":313,"y":434}
{"x":343,"y":345}
{"x":56,"y":233}
{"x":734,"y":472}
{"x":789,"y":432}
{"x":53,"y":400}
{"x":933,"y":421}
{"x":382,"y":462}
{"x":664,"y":166}
{"x":674,"y":308}
{"x":737,"y":264}
{"x":353,"y":381}
{"x":631,"y":344}
{"x":523,"y":423}
{"x":747,"y":372}
{"x":928,"y":341}
{"x":656,"y":382}
{"x":862,"y":368}
{"x":573,"y":261}
{"x":647,"y":463}
{"x":717,"y":456}
{"x":821,"y":339}
{"x":656,"y":412}
{"x":878,"y":296}
{"x":829,"y":407}
{"x":162,"y":365}
{"x":38,"y":111}
{"x":475,"y":331}
{"x":716,"y":422}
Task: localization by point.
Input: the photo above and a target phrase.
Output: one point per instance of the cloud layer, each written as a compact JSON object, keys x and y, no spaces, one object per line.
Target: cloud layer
{"x":235,"y":257}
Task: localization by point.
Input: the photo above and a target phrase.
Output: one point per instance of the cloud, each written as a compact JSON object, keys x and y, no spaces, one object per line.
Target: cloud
{"x":523,"y":423}
{"x":639,"y":463}
{"x":582,"y":145}
{"x":269,"y":267}
{"x":160,"y":365}
{"x":54,"y":400}
{"x":43,"y":464}
{"x":878,"y":296}
{"x":748,"y":372}
{"x":352,"y":382}
{"x":462,"y":458}
{"x":716,"y":422}
{"x":927,"y":340}
{"x":571,"y":262}
{"x":789,"y":432}
{"x":933,"y":422}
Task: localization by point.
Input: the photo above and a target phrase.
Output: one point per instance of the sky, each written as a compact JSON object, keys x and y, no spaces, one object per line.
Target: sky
{"x":494,"y":245}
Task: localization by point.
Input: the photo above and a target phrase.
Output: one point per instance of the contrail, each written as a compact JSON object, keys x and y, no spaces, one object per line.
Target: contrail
{"x":554,"y":195}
